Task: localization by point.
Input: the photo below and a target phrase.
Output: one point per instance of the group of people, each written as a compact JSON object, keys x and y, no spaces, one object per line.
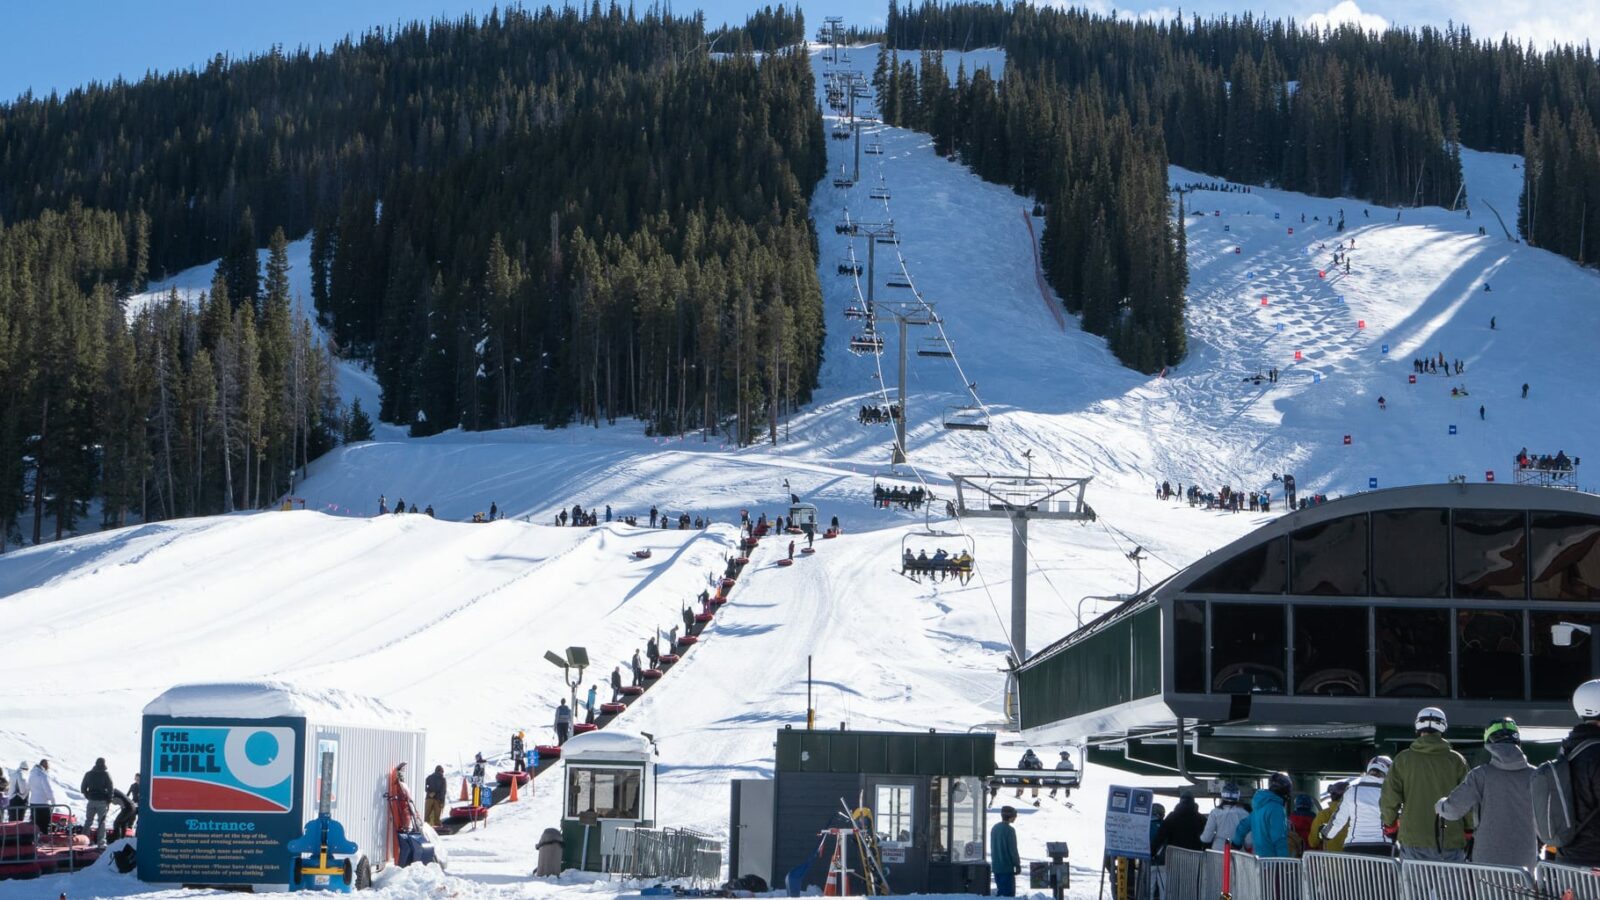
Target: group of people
{"x":878,"y":415}
{"x":1270,"y":376}
{"x":905,"y":498}
{"x":400,"y":507}
{"x":1425,"y":803}
{"x":1561,"y":462}
{"x":1224,"y":187}
{"x":29,"y":795}
{"x":1224,"y":498}
{"x":942,"y":564}
{"x":1437,"y":365}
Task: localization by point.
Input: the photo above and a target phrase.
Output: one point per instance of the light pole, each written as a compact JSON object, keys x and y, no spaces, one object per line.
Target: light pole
{"x":1561,"y":635}
{"x":577,"y":659}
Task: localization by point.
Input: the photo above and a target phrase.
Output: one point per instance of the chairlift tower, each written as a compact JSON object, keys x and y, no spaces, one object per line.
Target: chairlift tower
{"x":904,"y":314}
{"x":1020,"y":498}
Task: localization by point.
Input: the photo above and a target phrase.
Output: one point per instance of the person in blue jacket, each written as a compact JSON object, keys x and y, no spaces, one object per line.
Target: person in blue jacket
{"x":1268,"y":822}
{"x":1003,"y":857}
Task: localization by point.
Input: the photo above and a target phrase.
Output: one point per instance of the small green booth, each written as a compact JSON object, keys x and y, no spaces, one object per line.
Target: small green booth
{"x":609,"y":783}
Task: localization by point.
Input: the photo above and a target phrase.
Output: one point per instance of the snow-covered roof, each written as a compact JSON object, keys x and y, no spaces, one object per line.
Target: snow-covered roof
{"x":607,"y":744}
{"x":274,"y":699}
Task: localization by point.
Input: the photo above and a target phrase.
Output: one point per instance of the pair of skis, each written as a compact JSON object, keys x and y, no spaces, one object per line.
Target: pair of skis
{"x":877,"y":883}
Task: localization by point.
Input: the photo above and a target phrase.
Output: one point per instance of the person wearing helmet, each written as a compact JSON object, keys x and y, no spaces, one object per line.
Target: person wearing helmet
{"x":1224,"y":818}
{"x":1314,"y":839}
{"x":1358,"y":823}
{"x":1268,"y":823}
{"x":1499,"y":797}
{"x":1582,"y":749}
{"x":1004,"y":860}
{"x":1422,"y":773}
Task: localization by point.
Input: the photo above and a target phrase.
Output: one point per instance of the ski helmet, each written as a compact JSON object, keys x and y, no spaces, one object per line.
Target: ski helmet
{"x":1279,"y":783}
{"x":1502,"y":731}
{"x":1432,"y":719}
{"x":1230,"y":792}
{"x":1379,"y":766}
{"x":1586,"y":700}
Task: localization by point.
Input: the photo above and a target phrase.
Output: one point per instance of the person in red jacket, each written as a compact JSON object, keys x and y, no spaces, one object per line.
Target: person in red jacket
{"x":1301,"y":817}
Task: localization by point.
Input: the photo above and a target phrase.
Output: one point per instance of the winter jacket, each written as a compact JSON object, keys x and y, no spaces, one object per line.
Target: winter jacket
{"x":1268,"y":826}
{"x":1003,"y":856}
{"x":1359,"y":819}
{"x":1315,"y":840}
{"x":40,"y":791}
{"x":433,"y":787}
{"x":1499,"y":797}
{"x":1182,"y":828}
{"x":1584,"y":850}
{"x":563,"y":715}
{"x":19,"y":784}
{"x":1221,"y":824}
{"x":97,"y":784}
{"x":1421,"y":774}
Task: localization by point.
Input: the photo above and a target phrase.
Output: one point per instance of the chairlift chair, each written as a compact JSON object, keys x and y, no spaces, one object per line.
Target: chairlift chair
{"x":849,"y":266}
{"x":935,"y":346}
{"x":873,"y":149}
{"x":855,"y":312}
{"x":870,"y":342}
{"x":898,"y":281}
{"x":890,"y":238}
{"x":930,"y":540}
{"x":843,"y":226}
{"x":843,"y":181}
{"x":880,"y":192}
{"x":966,"y":418}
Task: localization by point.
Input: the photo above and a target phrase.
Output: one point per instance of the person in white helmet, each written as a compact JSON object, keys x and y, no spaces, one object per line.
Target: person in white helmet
{"x":1423,"y":773}
{"x":1359,"y":818}
{"x":1582,"y":748}
{"x":1225,"y":818}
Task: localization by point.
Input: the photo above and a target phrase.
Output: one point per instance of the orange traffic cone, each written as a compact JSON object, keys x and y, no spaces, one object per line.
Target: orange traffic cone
{"x":464,"y":796}
{"x":514,"y":780}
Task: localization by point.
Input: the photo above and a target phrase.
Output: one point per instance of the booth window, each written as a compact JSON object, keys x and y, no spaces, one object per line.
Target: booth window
{"x":965,"y":836}
{"x":1566,"y":556}
{"x":1259,"y":570}
{"x":1413,"y":652}
{"x":1489,"y":655}
{"x":608,"y":793}
{"x":1189,"y":647}
{"x":1330,"y":558}
{"x":1247,"y":648}
{"x":1491,"y":554}
{"x":892,"y":814}
{"x":1411,"y":553}
{"x":1557,"y":669}
{"x":1330,"y":651}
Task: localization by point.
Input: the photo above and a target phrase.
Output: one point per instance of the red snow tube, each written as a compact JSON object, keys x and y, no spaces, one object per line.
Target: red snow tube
{"x":786,"y":562}
{"x":632,"y":690}
{"x":650,"y":674}
{"x":688,"y":640}
{"x":549,"y":751}
{"x":469,"y":812}
{"x":829,"y":535}
{"x":794,"y":529}
{"x":808,"y":550}
{"x":612,"y":709}
{"x":21,"y":870}
{"x":702,"y":617}
{"x":17,"y":833}
{"x":727,"y":582}
{"x":584,"y":727}
{"x":508,"y":777}
{"x":719,"y":599}
{"x":668,"y":658}
{"x":741,"y":560}
{"x":9,"y":852}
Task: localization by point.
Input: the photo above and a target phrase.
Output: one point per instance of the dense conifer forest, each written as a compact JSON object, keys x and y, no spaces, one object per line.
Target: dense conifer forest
{"x":536,"y":217}
{"x":1342,"y":112}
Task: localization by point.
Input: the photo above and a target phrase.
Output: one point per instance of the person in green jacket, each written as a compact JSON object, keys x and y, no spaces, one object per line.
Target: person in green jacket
{"x":1003,"y":858}
{"x":1422,"y":774}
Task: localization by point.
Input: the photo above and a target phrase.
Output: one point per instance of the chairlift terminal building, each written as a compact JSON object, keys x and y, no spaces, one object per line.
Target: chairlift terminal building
{"x":1311,"y":642}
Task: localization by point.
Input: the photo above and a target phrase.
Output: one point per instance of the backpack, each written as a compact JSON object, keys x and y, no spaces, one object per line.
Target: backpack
{"x":1555,"y":814}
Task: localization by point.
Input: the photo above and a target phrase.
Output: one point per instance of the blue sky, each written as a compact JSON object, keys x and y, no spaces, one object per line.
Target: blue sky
{"x":61,"y":44}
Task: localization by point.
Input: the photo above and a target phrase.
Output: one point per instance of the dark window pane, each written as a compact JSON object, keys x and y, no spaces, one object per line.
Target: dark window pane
{"x":1258,"y":570}
{"x":1566,"y":556}
{"x":1330,"y":558}
{"x":1411,"y":553}
{"x":1489,"y":660}
{"x":1247,"y":648}
{"x":1557,"y":670}
{"x":1330,"y":651}
{"x":1413,"y":652}
{"x":1189,"y":647}
{"x":1491,"y":554}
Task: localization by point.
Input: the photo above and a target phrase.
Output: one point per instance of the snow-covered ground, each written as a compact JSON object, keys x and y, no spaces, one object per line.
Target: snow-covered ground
{"x":449,"y":619}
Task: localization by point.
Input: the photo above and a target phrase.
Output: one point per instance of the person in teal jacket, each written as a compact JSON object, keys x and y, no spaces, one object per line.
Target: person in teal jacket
{"x":1003,"y":858}
{"x":1268,"y":822}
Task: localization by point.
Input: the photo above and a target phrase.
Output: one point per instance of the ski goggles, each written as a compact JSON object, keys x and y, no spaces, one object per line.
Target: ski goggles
{"x":1500,"y":731}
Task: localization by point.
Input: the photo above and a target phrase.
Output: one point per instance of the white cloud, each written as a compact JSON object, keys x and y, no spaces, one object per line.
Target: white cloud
{"x":1347,"y":12}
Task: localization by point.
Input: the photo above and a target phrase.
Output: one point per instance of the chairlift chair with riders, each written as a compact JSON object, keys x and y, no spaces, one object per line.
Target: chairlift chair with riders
{"x":916,"y":560}
{"x":849,"y":266}
{"x":869,"y":342}
{"x":966,"y":418}
{"x":935,"y":346}
{"x":856,"y":311}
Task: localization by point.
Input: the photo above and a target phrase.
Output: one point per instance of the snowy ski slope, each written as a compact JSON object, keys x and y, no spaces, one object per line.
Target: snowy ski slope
{"x":449,"y":619}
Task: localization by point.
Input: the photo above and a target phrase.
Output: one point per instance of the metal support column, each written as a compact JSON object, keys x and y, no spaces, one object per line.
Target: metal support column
{"x":1019,"y":583}
{"x":900,"y":421}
